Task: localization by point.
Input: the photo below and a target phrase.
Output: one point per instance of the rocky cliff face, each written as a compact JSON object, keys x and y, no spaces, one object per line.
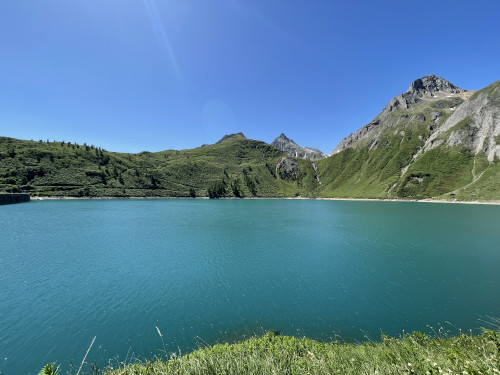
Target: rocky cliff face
{"x":287,"y":168}
{"x":291,"y":148}
{"x":423,"y":89}
{"x":475,"y":124}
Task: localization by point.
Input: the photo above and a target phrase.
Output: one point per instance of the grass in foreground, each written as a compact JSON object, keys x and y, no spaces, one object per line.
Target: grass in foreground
{"x":275,"y":354}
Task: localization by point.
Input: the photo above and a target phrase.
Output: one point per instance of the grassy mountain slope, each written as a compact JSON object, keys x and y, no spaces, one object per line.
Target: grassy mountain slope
{"x":372,"y":167}
{"x":485,"y":184}
{"x":234,"y":167}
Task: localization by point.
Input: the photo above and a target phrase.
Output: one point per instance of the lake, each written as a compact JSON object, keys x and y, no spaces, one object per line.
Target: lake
{"x":210,"y":271}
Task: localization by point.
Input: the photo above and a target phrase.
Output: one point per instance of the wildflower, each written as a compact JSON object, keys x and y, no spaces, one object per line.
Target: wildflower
{"x":409,"y":364}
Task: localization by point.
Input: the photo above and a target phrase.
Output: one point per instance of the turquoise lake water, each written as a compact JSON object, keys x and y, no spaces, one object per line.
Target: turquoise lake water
{"x":209,"y":271}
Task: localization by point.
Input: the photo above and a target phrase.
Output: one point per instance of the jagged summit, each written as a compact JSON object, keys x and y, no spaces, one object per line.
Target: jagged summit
{"x":231,"y":136}
{"x":283,"y":142}
{"x":288,"y":146}
{"x":284,"y":138}
{"x":430,"y":84}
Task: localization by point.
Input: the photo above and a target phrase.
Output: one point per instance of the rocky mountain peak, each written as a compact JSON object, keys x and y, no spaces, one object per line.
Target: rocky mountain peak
{"x":430,"y":84}
{"x":283,"y":142}
{"x":283,"y":138}
{"x":288,"y":146}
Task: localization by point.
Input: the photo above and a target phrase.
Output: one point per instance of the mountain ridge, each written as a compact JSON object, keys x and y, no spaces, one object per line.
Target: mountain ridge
{"x":434,"y":141}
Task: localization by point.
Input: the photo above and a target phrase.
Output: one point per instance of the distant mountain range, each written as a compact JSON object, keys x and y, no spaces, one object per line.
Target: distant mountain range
{"x":435,"y":140}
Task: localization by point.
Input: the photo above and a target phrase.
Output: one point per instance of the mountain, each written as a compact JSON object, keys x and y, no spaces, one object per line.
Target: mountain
{"x":435,"y":140}
{"x":291,"y":148}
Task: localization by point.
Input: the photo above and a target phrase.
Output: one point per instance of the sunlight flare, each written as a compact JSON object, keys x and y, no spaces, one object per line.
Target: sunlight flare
{"x":161,"y":35}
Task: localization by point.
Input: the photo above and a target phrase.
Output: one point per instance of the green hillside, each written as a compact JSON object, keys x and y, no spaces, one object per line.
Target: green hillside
{"x":436,"y":174}
{"x":234,"y":167}
{"x":372,"y":168}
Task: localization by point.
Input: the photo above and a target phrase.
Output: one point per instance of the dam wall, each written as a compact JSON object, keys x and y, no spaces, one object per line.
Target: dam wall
{"x":6,"y":198}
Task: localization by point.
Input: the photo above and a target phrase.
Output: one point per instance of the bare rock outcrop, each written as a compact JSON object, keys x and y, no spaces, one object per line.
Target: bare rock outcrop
{"x":287,"y":168}
{"x":431,"y":84}
{"x":475,"y":124}
{"x":291,"y":148}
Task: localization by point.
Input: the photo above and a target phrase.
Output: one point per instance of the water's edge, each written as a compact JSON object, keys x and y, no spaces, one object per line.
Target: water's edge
{"x":494,"y":203}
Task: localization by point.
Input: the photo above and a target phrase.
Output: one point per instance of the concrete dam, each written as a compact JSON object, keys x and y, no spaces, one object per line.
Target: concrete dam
{"x":6,"y":198}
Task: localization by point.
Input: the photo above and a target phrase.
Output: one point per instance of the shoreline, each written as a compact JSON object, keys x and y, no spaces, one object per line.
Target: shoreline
{"x":427,"y":200}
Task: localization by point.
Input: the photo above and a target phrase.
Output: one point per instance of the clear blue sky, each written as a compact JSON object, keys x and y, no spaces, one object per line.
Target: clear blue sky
{"x":134,"y":75}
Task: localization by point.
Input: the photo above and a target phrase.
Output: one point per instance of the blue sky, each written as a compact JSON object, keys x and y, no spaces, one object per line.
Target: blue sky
{"x":134,"y":75}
